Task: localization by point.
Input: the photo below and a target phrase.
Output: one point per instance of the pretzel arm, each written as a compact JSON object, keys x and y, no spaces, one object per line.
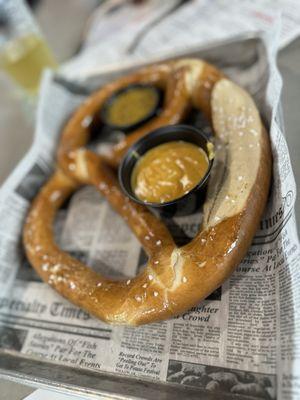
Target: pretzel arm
{"x":148,"y":229}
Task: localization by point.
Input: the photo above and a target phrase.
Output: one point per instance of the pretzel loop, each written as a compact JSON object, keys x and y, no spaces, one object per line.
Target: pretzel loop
{"x":71,"y":150}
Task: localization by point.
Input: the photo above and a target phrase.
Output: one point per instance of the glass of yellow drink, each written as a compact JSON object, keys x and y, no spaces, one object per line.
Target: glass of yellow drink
{"x":24,"y":54}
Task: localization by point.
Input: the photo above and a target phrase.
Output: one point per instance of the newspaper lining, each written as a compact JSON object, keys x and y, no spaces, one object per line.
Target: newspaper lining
{"x":242,"y":340}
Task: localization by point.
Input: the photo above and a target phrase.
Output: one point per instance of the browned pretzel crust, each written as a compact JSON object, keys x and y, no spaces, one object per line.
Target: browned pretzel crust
{"x":174,"y":279}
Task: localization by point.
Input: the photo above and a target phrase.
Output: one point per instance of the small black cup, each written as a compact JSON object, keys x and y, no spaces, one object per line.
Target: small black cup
{"x":190,"y":202}
{"x":126,"y":128}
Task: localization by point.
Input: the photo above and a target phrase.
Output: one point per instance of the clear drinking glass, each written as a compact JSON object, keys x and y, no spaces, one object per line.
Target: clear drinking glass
{"x":23,"y":50}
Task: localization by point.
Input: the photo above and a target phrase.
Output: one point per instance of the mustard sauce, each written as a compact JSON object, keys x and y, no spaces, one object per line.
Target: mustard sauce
{"x":168,"y":171}
{"x":131,"y":106}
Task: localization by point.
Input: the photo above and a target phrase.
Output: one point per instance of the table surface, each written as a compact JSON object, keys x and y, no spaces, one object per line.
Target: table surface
{"x":16,"y":132}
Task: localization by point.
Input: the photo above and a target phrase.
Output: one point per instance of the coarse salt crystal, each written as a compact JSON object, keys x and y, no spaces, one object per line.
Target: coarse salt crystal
{"x":201,"y":265}
{"x":86,"y":121}
{"x":55,"y":195}
{"x":45,"y":267}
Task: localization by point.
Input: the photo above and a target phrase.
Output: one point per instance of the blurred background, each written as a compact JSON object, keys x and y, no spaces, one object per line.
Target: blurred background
{"x":53,"y":33}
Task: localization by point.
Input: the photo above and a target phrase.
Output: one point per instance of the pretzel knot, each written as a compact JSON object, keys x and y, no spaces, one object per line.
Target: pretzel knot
{"x":175,"y":278}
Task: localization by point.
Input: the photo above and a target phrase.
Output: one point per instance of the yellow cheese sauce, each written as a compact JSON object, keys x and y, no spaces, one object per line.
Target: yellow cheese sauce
{"x":131,"y":106}
{"x":168,"y":171}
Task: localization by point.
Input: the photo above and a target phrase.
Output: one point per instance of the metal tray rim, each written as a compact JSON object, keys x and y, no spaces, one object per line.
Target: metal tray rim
{"x":81,"y":381}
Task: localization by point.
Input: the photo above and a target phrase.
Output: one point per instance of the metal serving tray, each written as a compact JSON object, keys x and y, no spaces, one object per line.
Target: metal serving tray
{"x":244,"y":50}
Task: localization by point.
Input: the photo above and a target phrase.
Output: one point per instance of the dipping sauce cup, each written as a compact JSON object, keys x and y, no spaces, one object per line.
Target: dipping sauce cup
{"x":130,"y":107}
{"x":189,"y":202}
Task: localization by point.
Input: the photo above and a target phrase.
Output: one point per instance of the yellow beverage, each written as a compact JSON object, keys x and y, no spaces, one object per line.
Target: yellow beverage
{"x":24,"y":59}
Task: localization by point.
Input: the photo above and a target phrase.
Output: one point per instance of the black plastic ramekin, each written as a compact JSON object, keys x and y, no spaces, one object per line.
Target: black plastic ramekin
{"x":190,"y":202}
{"x":126,"y":128}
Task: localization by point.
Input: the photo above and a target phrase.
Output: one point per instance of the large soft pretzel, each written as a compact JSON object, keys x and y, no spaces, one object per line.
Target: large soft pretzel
{"x":174,"y":279}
